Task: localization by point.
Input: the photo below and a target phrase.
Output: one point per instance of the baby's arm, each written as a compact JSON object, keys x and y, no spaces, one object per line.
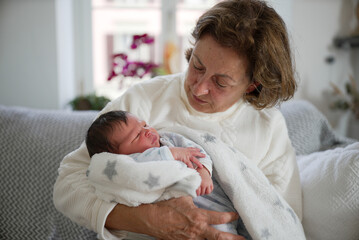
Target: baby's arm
{"x":187,"y":155}
{"x":206,"y":186}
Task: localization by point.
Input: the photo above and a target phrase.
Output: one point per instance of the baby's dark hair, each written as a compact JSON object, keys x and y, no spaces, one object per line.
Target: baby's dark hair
{"x":97,"y":135}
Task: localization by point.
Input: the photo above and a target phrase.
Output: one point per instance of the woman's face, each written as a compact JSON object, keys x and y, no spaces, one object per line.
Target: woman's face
{"x":216,"y":78}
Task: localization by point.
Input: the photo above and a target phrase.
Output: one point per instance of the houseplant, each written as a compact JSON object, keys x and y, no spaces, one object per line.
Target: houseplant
{"x":348,"y":103}
{"x":123,"y":67}
{"x":89,"y":102}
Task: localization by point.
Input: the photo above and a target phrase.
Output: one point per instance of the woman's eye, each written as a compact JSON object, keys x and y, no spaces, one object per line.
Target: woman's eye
{"x":220,"y":84}
{"x":197,"y":68}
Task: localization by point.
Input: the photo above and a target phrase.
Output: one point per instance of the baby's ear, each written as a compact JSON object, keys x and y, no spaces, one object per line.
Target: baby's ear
{"x":252,"y":87}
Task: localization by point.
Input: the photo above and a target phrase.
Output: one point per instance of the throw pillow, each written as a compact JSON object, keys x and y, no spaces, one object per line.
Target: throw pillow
{"x":330,"y":184}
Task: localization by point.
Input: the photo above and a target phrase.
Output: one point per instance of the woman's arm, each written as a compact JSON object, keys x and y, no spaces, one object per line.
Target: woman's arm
{"x":174,"y":219}
{"x":280,"y":166}
{"x":75,"y":197}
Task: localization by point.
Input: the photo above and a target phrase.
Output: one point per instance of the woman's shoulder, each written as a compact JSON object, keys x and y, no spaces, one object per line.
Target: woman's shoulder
{"x":267,"y":116}
{"x":272,"y":115}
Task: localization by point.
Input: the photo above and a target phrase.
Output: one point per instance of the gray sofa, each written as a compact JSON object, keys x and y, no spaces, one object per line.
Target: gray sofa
{"x":33,"y":142}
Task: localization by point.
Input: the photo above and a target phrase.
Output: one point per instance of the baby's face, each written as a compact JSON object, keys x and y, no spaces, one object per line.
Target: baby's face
{"x":135,"y":137}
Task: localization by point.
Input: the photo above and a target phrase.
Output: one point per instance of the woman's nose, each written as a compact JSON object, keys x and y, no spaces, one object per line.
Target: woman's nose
{"x":201,"y":86}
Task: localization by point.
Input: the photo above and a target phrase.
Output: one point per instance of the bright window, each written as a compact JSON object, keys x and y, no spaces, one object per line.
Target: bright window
{"x":114,"y":22}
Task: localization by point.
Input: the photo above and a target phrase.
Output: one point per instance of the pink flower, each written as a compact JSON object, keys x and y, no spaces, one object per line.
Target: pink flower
{"x":137,"y":40}
{"x":123,"y":67}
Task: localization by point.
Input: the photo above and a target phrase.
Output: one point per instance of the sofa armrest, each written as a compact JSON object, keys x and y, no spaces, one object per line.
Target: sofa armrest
{"x":308,"y":129}
{"x":32,"y":145}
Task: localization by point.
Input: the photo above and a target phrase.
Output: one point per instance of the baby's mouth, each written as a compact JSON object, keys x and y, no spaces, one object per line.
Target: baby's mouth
{"x":154,"y":139}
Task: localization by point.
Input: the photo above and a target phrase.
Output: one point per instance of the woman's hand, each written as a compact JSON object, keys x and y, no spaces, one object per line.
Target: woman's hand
{"x":175,"y":219}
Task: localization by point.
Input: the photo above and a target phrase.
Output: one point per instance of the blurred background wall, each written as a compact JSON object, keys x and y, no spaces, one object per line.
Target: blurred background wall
{"x":47,"y":57}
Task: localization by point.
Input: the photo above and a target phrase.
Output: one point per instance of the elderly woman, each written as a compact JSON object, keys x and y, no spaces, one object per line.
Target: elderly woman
{"x":239,"y":68}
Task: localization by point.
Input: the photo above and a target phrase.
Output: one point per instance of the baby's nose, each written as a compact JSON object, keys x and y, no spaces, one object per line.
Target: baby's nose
{"x":147,"y":132}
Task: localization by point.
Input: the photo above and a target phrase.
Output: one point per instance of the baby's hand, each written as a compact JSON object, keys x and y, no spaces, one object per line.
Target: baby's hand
{"x":206,"y":186}
{"x":187,"y":155}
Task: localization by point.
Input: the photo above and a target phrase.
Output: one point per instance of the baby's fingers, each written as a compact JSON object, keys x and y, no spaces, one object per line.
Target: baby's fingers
{"x":188,"y":163}
{"x":196,"y":161}
{"x":200,"y":191}
{"x":209,"y":189}
{"x":197,"y":152}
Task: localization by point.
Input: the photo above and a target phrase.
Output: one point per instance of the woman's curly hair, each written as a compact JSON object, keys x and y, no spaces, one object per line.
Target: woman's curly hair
{"x":256,"y":31}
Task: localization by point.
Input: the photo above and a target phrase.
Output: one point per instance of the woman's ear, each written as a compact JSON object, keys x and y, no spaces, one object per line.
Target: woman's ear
{"x":254,"y":85}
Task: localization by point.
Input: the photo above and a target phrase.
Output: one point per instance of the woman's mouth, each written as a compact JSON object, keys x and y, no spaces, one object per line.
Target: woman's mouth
{"x":198,"y":100}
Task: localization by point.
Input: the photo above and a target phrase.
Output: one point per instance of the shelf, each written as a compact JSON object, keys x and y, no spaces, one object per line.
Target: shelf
{"x":352,"y":42}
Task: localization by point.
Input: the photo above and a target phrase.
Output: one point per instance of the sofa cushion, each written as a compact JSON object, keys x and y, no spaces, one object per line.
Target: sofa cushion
{"x":330,"y":183}
{"x":32,"y":144}
{"x":308,"y":129}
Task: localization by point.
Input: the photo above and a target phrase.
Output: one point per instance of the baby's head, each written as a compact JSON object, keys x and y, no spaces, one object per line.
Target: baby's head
{"x":120,"y":132}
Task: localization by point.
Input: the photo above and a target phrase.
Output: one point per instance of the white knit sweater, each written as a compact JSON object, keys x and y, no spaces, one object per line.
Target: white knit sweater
{"x":260,"y":135}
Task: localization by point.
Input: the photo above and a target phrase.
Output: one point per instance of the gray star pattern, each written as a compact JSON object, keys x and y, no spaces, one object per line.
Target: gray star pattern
{"x":279,"y":203}
{"x":292,"y":214}
{"x":209,"y":138}
{"x":265,"y":233}
{"x":243,"y":166}
{"x":110,"y":170}
{"x":87,"y":173}
{"x":232,"y":149}
{"x":152,"y":181}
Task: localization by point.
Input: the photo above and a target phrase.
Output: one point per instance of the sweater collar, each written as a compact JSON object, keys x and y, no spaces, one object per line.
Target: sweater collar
{"x":235,"y":108}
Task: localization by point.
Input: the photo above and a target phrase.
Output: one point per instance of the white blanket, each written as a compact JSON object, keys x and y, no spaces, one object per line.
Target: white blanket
{"x":264,"y":212}
{"x":119,"y":178}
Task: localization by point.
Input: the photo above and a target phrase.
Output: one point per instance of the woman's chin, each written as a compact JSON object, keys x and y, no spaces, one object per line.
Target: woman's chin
{"x":205,"y":108}
{"x":198,"y":104}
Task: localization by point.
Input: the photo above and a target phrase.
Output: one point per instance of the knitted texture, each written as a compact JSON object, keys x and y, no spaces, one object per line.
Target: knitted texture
{"x":32,"y":144}
{"x":308,"y":129}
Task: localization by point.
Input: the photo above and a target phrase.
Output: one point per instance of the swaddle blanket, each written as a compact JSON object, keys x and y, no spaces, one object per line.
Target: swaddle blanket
{"x":264,"y":212}
{"x":119,"y":178}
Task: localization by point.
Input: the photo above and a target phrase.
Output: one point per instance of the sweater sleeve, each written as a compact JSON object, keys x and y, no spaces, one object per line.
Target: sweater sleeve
{"x":280,"y":165}
{"x":73,"y":194}
{"x":154,"y":154}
